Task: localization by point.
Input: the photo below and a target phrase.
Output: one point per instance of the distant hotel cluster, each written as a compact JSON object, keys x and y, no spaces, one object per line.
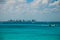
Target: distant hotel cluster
{"x":18,"y":22}
{"x":50,"y":24}
{"x":26,"y":22}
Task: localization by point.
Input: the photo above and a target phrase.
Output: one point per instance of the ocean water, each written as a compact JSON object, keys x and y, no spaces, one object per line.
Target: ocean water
{"x":28,"y":32}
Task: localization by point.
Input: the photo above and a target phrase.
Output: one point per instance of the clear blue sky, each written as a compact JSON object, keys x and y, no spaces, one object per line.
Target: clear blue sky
{"x":29,"y":1}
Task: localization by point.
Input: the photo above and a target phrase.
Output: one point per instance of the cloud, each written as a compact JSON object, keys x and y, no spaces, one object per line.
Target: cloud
{"x":37,"y":3}
{"x":55,"y":6}
{"x":37,"y":9}
{"x":2,"y":1}
{"x":44,"y":1}
{"x":56,"y":3}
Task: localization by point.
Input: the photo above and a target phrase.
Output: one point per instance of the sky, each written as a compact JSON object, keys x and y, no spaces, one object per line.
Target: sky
{"x":40,"y":10}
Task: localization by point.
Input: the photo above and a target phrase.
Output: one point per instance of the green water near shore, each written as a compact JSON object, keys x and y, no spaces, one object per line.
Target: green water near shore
{"x":28,"y":32}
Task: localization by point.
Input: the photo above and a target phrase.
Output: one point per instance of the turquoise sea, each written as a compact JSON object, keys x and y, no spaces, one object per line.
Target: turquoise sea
{"x":28,"y":32}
